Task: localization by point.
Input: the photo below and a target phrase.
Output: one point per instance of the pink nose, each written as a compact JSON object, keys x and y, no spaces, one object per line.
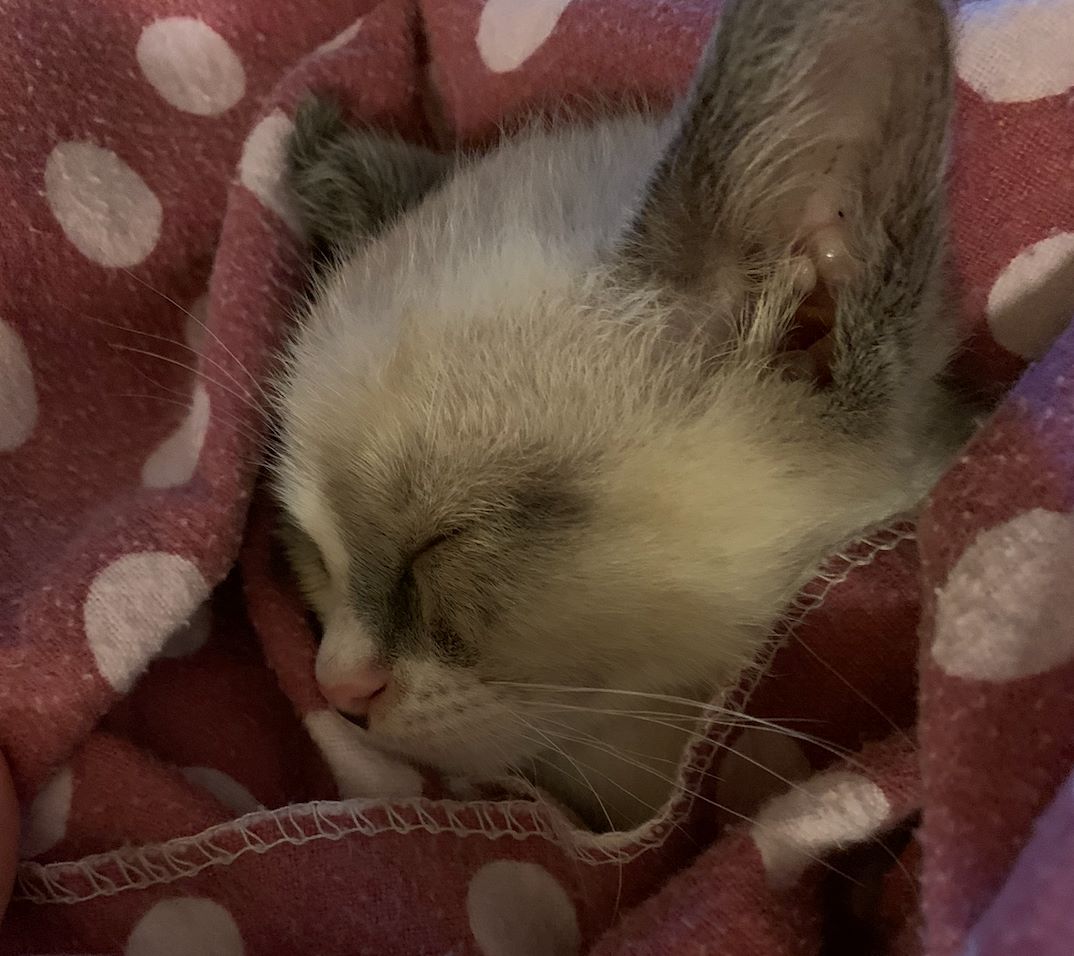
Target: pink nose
{"x":353,"y":695}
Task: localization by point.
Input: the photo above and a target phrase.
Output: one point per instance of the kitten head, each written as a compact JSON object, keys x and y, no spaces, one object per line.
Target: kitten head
{"x":492,"y":510}
{"x":506,"y":468}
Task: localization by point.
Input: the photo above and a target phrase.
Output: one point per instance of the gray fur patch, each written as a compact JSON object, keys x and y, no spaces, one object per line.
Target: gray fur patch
{"x":766,"y":125}
{"x":351,"y":183}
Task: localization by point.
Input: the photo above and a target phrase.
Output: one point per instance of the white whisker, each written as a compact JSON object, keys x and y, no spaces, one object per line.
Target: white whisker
{"x":182,"y":345}
{"x":611,"y":825}
{"x":243,"y":397}
{"x":676,"y":785}
{"x":712,"y":711}
{"x":204,"y":325}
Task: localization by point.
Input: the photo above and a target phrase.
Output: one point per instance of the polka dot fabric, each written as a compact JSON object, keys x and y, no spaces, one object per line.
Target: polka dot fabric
{"x":183,"y":786}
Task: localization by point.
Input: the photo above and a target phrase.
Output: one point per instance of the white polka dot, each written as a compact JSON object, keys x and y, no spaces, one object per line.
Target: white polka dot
{"x":1007,"y":609}
{"x":197,"y":320}
{"x":261,"y":168}
{"x":132,"y":605}
{"x":744,"y":782}
{"x":18,"y":396}
{"x":511,"y":31}
{"x":190,"y":65}
{"x":359,"y":770}
{"x":1012,"y":51}
{"x":226,"y":789}
{"x":828,"y":812}
{"x":192,"y":636}
{"x":519,"y":909}
{"x":175,"y":459}
{"x":103,"y":206}
{"x":341,"y":39}
{"x":1032,"y":301}
{"x":185,"y":926}
{"x":45,"y":823}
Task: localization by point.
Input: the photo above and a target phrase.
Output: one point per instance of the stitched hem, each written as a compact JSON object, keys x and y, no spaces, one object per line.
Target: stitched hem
{"x":857,"y":552}
{"x":136,"y":868}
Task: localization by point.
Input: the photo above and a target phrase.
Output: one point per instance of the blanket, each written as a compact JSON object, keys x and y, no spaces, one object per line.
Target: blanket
{"x":906,"y":785}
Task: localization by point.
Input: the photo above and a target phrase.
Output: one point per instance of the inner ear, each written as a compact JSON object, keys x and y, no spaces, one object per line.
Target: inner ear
{"x":812,"y":142}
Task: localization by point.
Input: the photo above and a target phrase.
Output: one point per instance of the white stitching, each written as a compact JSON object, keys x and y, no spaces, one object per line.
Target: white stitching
{"x":133,"y":868}
{"x":855,"y":553}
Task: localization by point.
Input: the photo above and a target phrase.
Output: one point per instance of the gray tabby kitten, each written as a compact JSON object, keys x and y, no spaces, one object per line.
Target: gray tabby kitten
{"x":543,"y":450}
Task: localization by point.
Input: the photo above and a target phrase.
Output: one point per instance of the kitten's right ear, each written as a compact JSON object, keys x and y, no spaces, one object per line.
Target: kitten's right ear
{"x":350,"y":183}
{"x":805,"y":114}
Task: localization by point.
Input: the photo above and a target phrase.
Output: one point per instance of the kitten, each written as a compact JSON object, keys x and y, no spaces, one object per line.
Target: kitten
{"x":537,"y":424}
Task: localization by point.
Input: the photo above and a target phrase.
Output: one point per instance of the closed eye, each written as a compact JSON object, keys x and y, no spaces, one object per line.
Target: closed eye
{"x":423,"y":589}
{"x":436,"y":541}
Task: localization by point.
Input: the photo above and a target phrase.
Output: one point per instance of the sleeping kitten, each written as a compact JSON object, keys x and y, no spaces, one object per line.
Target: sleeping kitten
{"x":539,"y":426}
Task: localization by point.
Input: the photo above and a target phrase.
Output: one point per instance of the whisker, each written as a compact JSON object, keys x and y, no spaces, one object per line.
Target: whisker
{"x":655,"y":810}
{"x":586,"y":737}
{"x":676,"y":785}
{"x":854,"y":690}
{"x":184,"y":398}
{"x":518,"y":775}
{"x":246,"y":399}
{"x":567,"y":757}
{"x":788,"y":783}
{"x":557,"y":706}
{"x":201,"y":357}
{"x":754,"y":721}
{"x":205,"y":327}
{"x":585,"y":780}
{"x":603,"y":808}
{"x":742,"y":721}
{"x":688,"y":738}
{"x":244,"y":428}
{"x":695,"y":794}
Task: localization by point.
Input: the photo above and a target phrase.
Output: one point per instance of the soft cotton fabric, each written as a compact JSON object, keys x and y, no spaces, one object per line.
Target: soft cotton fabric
{"x":181,"y":777}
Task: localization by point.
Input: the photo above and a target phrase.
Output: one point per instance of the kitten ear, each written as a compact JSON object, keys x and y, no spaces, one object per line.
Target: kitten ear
{"x":812,"y":124}
{"x":350,"y":183}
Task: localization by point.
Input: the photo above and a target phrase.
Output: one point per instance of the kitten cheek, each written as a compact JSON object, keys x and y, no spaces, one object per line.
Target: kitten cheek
{"x":436,"y":716}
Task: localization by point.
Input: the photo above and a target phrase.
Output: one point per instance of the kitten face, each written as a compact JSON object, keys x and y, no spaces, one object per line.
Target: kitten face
{"x":476,"y":524}
{"x":536,"y":455}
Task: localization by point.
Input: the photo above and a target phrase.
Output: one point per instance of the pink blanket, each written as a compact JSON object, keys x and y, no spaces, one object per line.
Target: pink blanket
{"x":186,"y":789}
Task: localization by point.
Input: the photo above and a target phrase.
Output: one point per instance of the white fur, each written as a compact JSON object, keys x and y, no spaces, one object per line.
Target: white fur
{"x":345,"y":646}
{"x":531,"y":226}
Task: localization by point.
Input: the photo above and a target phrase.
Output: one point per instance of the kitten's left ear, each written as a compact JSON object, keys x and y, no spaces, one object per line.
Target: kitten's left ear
{"x":349,"y":183}
{"x":817,"y":124}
